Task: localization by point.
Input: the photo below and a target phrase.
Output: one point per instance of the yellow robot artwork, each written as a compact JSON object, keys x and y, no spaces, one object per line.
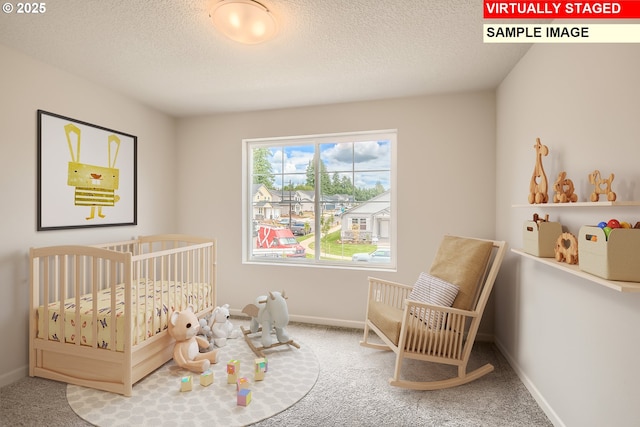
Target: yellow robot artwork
{"x":95,"y":186}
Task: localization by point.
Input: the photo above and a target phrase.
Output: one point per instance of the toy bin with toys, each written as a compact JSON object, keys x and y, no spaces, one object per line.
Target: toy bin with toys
{"x":612,"y":254}
{"x":539,"y":237}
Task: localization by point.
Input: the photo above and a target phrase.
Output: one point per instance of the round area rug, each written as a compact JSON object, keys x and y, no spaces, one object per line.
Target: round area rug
{"x":158,"y":401}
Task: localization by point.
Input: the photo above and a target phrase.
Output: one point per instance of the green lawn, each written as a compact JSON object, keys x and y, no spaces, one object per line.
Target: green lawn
{"x":331,"y":246}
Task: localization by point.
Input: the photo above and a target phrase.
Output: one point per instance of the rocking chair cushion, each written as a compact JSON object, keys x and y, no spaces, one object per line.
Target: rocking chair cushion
{"x":428,"y":289}
{"x":462,"y":262}
{"x":387,"y":318}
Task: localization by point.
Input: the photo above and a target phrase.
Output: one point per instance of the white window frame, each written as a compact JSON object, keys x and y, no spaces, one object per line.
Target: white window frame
{"x":247,"y":199}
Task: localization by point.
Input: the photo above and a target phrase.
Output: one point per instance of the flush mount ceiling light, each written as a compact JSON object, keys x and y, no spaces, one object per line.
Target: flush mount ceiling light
{"x":245,"y":21}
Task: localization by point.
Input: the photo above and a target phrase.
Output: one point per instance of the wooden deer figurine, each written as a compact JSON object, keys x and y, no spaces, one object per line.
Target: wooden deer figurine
{"x":538,"y":187}
{"x":599,"y":182}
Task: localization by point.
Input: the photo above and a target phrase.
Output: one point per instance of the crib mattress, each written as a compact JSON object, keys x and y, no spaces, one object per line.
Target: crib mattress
{"x":154,"y":303}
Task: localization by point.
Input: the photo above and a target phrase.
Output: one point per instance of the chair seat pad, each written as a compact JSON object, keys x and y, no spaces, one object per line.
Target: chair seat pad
{"x":420,"y":338}
{"x":386,"y":318}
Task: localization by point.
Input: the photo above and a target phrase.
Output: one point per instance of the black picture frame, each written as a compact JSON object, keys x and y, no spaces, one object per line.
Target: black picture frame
{"x":87,"y":175}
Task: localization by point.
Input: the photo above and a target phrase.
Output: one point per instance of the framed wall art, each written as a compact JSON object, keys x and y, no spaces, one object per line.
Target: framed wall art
{"x":87,"y":174}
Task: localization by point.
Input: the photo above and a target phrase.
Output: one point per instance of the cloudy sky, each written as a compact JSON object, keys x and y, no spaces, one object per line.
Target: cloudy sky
{"x":364,"y":162}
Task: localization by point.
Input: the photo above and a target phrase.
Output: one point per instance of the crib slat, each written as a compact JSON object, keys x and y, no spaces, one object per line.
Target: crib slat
{"x":45,"y":303}
{"x":61,"y":285}
{"x":75,"y":284}
{"x":94,"y":297}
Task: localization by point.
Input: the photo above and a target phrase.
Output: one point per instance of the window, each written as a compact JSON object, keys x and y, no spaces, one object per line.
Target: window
{"x":358,"y":223}
{"x":321,"y":199}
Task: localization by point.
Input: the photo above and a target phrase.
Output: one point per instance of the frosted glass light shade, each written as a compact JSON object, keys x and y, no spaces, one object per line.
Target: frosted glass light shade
{"x":245,"y":21}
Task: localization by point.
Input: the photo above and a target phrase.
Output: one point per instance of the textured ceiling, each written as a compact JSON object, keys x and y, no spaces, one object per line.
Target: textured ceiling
{"x":166,"y":53}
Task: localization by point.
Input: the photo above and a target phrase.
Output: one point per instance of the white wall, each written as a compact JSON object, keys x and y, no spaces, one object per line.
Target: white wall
{"x":575,"y":343}
{"x":25,"y":87}
{"x":446,"y":164}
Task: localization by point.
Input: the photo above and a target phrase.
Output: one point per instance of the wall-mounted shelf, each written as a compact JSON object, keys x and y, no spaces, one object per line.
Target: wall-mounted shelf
{"x":578,"y":204}
{"x":575,"y":270}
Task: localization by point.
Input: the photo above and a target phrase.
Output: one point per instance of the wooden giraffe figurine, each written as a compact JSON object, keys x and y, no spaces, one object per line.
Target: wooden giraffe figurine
{"x":538,"y":187}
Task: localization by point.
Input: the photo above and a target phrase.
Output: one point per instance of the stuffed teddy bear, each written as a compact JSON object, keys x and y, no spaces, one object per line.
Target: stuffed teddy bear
{"x":221,"y":327}
{"x":183,"y":327}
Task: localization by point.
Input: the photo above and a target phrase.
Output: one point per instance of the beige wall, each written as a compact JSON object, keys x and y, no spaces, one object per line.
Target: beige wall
{"x":446,"y":164}
{"x":189,"y":180}
{"x":574,"y":343}
{"x":25,"y":87}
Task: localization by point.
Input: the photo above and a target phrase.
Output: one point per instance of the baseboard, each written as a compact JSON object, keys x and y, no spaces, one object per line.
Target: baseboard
{"x":325,"y":321}
{"x":484,"y":337}
{"x":542,"y":402}
{"x":13,"y":376}
{"x":351,"y":324}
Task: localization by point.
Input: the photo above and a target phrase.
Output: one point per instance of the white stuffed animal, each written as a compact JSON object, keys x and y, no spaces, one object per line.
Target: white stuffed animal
{"x":221,"y":327}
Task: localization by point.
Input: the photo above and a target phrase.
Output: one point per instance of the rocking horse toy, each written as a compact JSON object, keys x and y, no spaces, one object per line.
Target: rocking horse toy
{"x":538,"y":187}
{"x":268,"y":313}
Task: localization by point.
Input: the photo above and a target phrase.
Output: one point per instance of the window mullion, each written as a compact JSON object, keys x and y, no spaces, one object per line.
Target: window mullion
{"x":318,"y":202}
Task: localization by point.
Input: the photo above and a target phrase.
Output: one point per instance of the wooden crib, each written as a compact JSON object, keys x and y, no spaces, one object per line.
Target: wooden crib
{"x":98,"y":314}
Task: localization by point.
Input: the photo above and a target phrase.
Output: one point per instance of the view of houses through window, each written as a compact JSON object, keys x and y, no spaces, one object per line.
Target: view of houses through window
{"x":322,"y":199}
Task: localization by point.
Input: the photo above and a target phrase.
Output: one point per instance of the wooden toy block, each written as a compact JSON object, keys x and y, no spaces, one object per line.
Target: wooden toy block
{"x":264,"y":364}
{"x":261,"y":367}
{"x":186,"y":383}
{"x":206,"y":378}
{"x":233,"y":369}
{"x":244,"y":397}
{"x":242,"y":383}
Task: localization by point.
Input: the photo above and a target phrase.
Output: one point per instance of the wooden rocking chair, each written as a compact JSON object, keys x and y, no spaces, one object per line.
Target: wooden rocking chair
{"x":430,"y":332}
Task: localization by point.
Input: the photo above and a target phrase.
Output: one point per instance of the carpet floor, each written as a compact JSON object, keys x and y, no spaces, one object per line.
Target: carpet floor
{"x":351,"y":390}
